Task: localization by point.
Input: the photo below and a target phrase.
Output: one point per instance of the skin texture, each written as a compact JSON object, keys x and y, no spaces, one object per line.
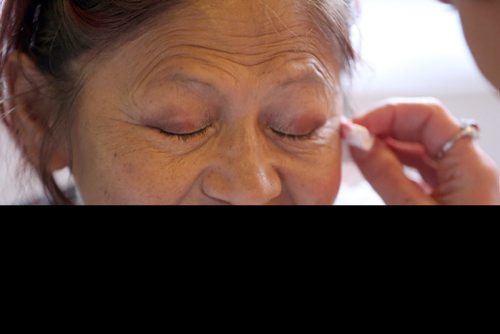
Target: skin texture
{"x":481,"y":24}
{"x":250,"y":85}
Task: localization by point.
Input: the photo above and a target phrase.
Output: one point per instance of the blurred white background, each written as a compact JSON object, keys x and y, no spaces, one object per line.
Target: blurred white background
{"x":408,"y":48}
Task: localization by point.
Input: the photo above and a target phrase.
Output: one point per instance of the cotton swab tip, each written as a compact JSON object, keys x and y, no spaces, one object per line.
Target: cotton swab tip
{"x":357,"y":136}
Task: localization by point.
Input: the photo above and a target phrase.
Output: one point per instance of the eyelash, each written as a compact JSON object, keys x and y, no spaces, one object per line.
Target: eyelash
{"x":293,"y":137}
{"x":186,"y":136}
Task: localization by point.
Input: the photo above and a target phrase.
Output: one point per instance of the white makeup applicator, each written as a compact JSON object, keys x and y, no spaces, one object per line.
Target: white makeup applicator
{"x":357,"y":135}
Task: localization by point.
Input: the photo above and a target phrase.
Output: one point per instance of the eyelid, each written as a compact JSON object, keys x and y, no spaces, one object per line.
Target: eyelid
{"x":186,"y":136}
{"x":290,"y":136}
{"x":194,"y":133}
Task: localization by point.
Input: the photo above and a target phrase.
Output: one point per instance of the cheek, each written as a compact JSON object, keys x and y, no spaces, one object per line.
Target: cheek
{"x":325,"y":180}
{"x":316,"y":180}
{"x":150,"y":178}
{"x":109,"y":170}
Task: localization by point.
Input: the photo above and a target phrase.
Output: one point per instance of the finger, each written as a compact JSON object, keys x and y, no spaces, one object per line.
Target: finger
{"x":414,"y":156}
{"x":384,"y":172}
{"x":423,"y":121}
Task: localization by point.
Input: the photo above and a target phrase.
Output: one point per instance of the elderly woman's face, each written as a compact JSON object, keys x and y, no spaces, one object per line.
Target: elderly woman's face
{"x":225,"y":102}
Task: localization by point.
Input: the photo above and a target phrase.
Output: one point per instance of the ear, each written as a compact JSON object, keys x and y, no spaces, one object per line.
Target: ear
{"x":32,"y":105}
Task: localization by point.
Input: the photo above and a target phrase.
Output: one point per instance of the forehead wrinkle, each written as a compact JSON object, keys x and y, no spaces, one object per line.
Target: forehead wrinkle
{"x":207,"y":30}
{"x":195,"y":53}
{"x":161,"y":65}
{"x":165,"y":42}
{"x":309,"y":76}
{"x":248,"y":55}
{"x":255,"y":18}
{"x":252,"y":49}
{"x":229,"y":44}
{"x":258,"y":59}
{"x":301,"y":68}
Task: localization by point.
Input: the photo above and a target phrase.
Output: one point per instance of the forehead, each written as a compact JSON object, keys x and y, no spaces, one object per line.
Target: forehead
{"x":232,"y":37}
{"x":248,"y":18}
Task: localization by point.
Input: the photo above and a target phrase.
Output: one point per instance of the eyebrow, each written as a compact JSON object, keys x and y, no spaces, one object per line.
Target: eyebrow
{"x":180,"y":77}
{"x":305,"y":77}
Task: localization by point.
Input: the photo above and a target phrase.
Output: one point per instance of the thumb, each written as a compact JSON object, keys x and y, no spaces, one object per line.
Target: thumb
{"x":384,"y":172}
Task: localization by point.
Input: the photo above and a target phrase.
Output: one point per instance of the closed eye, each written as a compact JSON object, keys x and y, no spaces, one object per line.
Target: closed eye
{"x":293,"y":137}
{"x":186,"y":136}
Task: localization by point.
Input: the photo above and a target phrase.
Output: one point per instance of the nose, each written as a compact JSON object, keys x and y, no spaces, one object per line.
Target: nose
{"x":245,"y":176}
